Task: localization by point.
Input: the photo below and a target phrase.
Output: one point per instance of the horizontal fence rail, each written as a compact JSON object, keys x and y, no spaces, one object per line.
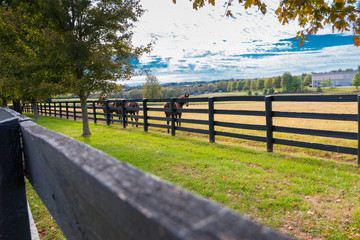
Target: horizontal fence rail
{"x":93,"y":196}
{"x":111,"y":111}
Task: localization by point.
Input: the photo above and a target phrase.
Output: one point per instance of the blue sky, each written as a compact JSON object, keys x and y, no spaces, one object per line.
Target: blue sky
{"x":205,"y":45}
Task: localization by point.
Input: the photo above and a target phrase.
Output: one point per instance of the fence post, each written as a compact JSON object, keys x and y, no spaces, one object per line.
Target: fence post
{"x":67,"y":109}
{"x":74,"y":110}
{"x":145,"y":114}
{"x":49,"y":107}
{"x":358,"y":100}
{"x":269,"y":123}
{"x":123,"y":112}
{"x":211,"y":120}
{"x":94,"y":111}
{"x":172,"y":107}
{"x":14,"y":219}
{"x":54,"y":109}
{"x":60,"y":109}
{"x":45,"y":109}
{"x":107,"y":112}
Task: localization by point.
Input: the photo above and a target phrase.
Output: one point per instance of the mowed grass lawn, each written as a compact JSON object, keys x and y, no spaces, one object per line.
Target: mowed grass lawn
{"x":306,"y":197}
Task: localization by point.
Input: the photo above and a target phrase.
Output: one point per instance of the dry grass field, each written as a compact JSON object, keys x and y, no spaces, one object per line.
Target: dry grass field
{"x":339,"y":108}
{"x":309,"y":107}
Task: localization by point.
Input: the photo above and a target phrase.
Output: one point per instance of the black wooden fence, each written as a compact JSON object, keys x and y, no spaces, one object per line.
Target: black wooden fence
{"x":69,"y":109}
{"x":93,"y":196}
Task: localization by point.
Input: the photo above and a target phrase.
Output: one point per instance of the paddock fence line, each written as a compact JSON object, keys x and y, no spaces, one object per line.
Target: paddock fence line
{"x":70,"y":109}
{"x":93,"y":196}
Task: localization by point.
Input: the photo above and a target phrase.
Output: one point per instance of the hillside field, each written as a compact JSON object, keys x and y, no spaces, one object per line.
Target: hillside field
{"x":306,"y":197}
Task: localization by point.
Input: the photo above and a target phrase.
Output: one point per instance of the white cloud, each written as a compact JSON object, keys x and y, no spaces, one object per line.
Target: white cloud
{"x":206,"y":45}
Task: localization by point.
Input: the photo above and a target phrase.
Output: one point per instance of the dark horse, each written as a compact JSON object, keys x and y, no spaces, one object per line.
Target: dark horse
{"x":177,"y":114}
{"x":118,"y":111}
{"x":133,"y":112}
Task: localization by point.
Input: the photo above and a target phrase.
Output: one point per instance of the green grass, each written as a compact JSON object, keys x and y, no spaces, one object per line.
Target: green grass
{"x":302,"y":196}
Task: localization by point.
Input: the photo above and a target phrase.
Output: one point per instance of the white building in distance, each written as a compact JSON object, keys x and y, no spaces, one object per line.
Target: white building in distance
{"x":339,"y":79}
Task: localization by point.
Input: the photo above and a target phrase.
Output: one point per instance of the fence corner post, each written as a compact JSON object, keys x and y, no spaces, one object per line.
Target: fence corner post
{"x":123,"y":112}
{"x":269,"y":123}
{"x":173,"y":119}
{"x":14,"y":218}
{"x":145,"y":114}
{"x":358,"y":98}
{"x":211,"y":120}
{"x":107,"y":112}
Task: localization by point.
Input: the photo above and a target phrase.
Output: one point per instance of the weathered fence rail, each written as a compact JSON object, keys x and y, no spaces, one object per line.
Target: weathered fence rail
{"x":93,"y":196}
{"x":55,"y":109}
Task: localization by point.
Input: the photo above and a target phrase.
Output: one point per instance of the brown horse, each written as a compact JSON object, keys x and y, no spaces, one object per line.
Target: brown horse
{"x":133,"y":112}
{"x":119,"y":111}
{"x":177,"y":114}
{"x":111,"y":105}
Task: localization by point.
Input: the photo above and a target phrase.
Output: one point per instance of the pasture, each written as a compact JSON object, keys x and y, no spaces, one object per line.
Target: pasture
{"x":303,"y":196}
{"x":291,"y":107}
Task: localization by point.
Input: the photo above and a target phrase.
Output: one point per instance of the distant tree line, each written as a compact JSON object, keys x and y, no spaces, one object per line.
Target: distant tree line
{"x":285,"y":83}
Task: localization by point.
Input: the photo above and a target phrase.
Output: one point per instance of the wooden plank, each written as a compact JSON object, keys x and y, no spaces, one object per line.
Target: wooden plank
{"x":241,"y":136}
{"x":93,"y":196}
{"x":315,"y":132}
{"x":159,"y":125}
{"x":241,"y":126}
{"x":318,"y":146}
{"x":240,"y":112}
{"x":186,"y":110}
{"x":240,"y":98}
{"x":194,"y":130}
{"x":159,"y":118}
{"x":318,"y":98}
{"x":152,"y":109}
{"x":194,"y":121}
{"x":321,"y":116}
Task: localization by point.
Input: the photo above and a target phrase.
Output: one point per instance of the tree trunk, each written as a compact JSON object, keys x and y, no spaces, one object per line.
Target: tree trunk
{"x":17,"y":106}
{"x":85,"y":117}
{"x":36,"y":112}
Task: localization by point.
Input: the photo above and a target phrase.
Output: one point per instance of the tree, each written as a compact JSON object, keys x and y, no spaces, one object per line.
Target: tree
{"x":135,"y":94}
{"x":233,"y":86}
{"x":286,"y":82}
{"x":260,"y":83}
{"x":326,"y":83}
{"x":221,"y":86}
{"x":356,"y":80}
{"x":268,"y":83}
{"x":247,"y":85}
{"x":240,"y":85}
{"x":98,"y":41}
{"x":30,"y":68}
{"x":211,"y":87}
{"x":229,"y":87}
{"x":152,"y":88}
{"x":276,"y":82}
{"x":253,"y":85}
{"x":308,"y":80}
{"x":311,"y":15}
